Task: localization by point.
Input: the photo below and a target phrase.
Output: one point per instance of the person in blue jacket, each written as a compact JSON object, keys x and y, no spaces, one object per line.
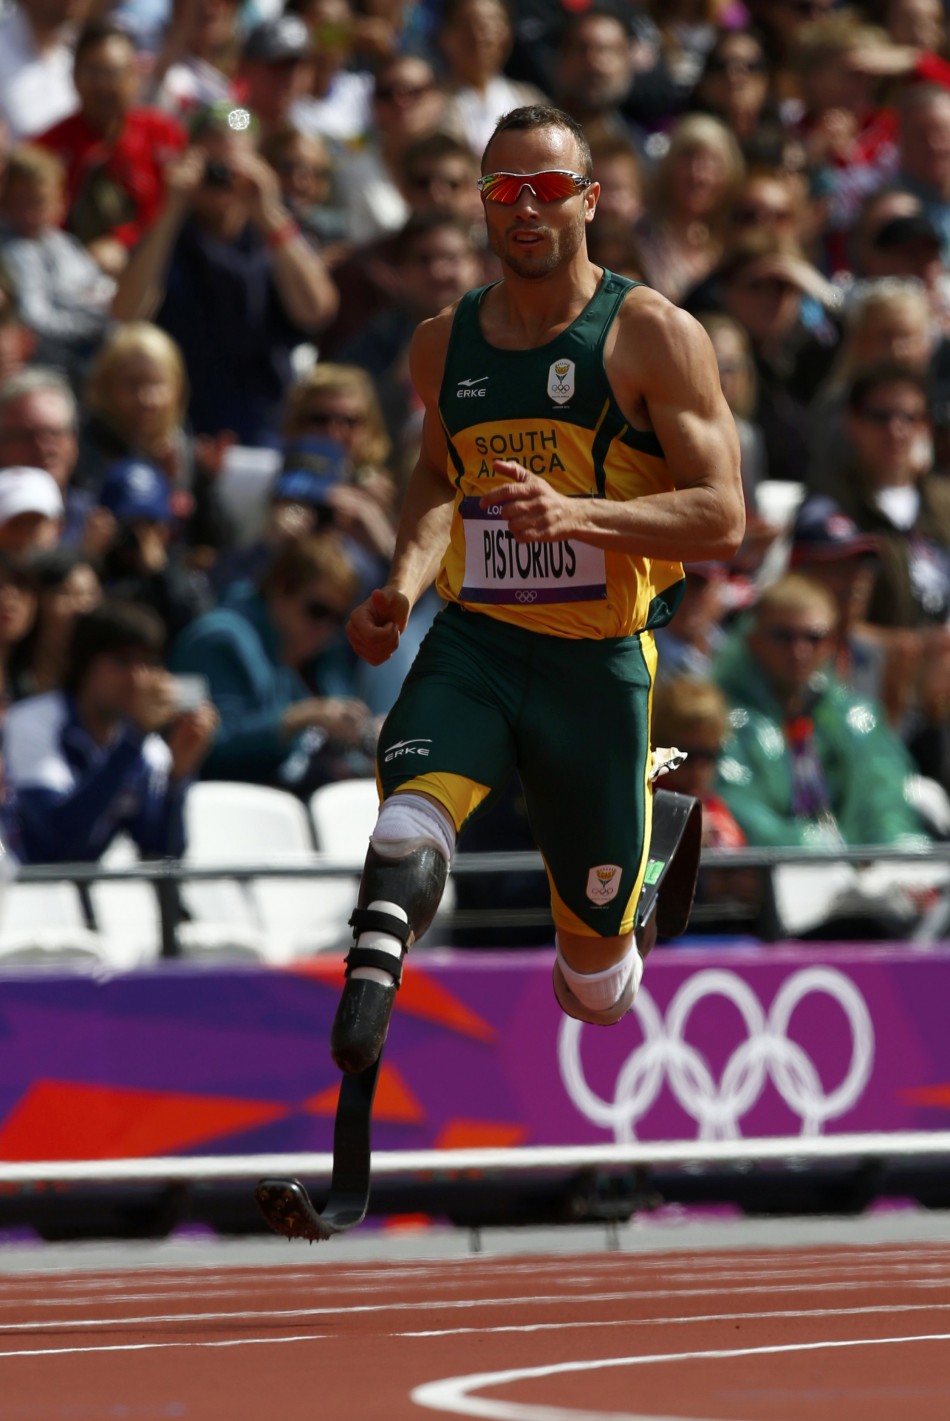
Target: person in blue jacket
{"x":113,"y":752}
{"x":257,"y":653}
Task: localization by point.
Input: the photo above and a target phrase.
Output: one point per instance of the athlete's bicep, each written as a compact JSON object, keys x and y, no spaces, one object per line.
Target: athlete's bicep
{"x":688,"y":412}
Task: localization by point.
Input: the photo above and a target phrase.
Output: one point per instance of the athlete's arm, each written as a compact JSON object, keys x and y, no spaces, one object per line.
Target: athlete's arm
{"x":425,"y":520}
{"x":662,"y":365}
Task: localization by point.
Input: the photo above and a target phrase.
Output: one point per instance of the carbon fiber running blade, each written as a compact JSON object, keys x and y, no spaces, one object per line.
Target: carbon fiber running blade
{"x":285,"y":1203}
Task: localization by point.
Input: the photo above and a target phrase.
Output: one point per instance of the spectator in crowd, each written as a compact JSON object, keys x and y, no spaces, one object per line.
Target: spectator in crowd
{"x":18,"y":605}
{"x":436,"y":263}
{"x":299,"y":505}
{"x":620,"y":172}
{"x":64,"y":297}
{"x":475,"y":38}
{"x":680,"y":234}
{"x":689,"y":646}
{"x":277,"y":727}
{"x":890,"y":491}
{"x":769,"y":289}
{"x":226,"y":271}
{"x":114,"y":152}
{"x":849,"y":138}
{"x":438,"y":173}
{"x":407,"y":105}
{"x":339,"y":402}
{"x":305,"y":169}
{"x":31,"y":511}
{"x":734,"y":83}
{"x":89,"y":761}
{"x":920,"y":24}
{"x":274,"y":72}
{"x":781,"y":25}
{"x":17,"y":341}
{"x":808,"y":764}
{"x":595,"y":75}
{"x":38,"y":429}
{"x":66,"y":585}
{"x":888,"y":320}
{"x":136,"y":402}
{"x":36,"y":64}
{"x":672,"y":40}
{"x":924,"y":158}
{"x":140,"y":562}
{"x":198,"y":60}
{"x":828,"y":547}
{"x":338,"y":104}
{"x":768,"y":200}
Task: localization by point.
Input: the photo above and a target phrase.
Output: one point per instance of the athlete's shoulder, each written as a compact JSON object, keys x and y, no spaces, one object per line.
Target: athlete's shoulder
{"x":428,"y":350}
{"x":655,"y":342}
{"x":652,"y":315}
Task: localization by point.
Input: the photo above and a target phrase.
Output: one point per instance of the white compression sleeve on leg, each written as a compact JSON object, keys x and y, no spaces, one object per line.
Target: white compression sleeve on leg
{"x":407,"y":821}
{"x":601,"y":990}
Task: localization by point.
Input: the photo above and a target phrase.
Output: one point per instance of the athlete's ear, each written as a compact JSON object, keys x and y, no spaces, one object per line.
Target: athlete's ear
{"x":591,"y":194}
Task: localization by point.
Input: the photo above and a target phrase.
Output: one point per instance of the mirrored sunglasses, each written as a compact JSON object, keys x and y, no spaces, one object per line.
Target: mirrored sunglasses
{"x":552,"y":185}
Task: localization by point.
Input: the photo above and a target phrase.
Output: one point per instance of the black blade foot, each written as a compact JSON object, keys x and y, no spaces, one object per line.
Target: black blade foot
{"x":286,"y":1206}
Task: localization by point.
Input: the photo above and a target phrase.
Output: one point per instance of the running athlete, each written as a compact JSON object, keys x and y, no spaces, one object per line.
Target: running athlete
{"x":576,"y":448}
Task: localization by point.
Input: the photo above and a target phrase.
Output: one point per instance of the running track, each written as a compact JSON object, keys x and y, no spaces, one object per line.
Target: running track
{"x":846,"y":1334}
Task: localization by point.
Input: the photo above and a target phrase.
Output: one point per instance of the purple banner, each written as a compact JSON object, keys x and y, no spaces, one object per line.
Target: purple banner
{"x":722,"y":1043}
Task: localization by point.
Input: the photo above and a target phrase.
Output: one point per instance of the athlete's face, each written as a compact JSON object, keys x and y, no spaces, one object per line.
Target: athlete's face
{"x":532,"y":238}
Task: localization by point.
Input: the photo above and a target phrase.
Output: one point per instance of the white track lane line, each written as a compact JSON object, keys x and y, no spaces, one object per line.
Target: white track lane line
{"x":436,"y":1305}
{"x":454,"y":1394}
{"x":478,"y":1331}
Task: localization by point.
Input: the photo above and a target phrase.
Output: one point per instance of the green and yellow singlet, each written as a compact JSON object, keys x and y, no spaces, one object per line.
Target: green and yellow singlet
{"x":551,"y":409}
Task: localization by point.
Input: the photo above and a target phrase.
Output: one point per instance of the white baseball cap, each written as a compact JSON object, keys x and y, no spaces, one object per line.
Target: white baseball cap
{"x":24,"y":490}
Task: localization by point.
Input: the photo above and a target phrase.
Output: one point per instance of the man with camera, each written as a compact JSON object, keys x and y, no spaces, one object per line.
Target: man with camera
{"x":227,"y":273}
{"x":113,"y":752}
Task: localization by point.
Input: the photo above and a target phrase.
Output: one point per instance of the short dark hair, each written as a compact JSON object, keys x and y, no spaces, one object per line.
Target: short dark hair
{"x":302,"y":560}
{"x":113,"y":626}
{"x":417,"y":227}
{"x":575,"y":20}
{"x":98,"y":32}
{"x":432,"y":148}
{"x":885,"y":372}
{"x":534,"y":116}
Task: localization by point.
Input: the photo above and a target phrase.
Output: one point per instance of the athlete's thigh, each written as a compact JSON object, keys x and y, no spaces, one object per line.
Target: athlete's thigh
{"x":450,"y":733}
{"x":584,"y":758}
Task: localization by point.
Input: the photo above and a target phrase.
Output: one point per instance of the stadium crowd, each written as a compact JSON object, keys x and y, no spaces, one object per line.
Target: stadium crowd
{"x":221,"y":222}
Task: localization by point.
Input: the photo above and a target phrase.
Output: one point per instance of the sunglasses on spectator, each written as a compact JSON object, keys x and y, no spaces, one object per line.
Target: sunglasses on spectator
{"x":884,"y":416}
{"x":425,"y":182}
{"x":788,"y":636}
{"x":323,"y":612}
{"x":734,"y":64}
{"x":386,"y":93}
{"x":552,"y":185}
{"x":316,"y":419}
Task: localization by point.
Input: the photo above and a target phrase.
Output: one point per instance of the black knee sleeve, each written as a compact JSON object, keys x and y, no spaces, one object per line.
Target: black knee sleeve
{"x":415,"y":882}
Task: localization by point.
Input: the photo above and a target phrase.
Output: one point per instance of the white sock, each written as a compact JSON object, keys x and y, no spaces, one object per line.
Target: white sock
{"x":602,"y":990}
{"x":382,"y":942}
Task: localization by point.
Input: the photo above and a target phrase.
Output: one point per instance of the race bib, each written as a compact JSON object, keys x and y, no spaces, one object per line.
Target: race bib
{"x":499,"y":570}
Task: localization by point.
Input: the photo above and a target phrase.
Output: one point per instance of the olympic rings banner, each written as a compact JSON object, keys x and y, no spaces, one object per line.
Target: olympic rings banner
{"x":723,"y":1044}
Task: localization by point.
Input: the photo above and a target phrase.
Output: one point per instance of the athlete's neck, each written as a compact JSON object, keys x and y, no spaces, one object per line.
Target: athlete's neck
{"x":530,"y":312}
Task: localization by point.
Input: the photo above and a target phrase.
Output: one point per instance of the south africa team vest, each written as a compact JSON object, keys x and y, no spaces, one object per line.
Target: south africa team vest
{"x":550,"y":408}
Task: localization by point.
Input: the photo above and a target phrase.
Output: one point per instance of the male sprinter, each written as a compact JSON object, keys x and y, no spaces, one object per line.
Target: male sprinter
{"x":576,"y":448}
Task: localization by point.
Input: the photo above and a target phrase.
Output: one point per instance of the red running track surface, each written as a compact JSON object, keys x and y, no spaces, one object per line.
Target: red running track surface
{"x":849,"y":1334}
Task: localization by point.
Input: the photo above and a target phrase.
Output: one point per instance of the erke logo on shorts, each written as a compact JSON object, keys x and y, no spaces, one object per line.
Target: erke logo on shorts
{"x":468,"y":387}
{"x":407,"y":747}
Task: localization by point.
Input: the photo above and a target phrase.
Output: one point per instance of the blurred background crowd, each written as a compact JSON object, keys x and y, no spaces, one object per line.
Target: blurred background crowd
{"x":221,"y":222}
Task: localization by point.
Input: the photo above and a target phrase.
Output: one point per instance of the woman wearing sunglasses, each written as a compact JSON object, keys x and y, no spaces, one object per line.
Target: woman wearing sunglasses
{"x":576,"y":447}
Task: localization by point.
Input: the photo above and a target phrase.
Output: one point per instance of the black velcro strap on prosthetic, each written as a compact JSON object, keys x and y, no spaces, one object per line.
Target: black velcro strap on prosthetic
{"x":374,"y":957}
{"x":378,"y":920}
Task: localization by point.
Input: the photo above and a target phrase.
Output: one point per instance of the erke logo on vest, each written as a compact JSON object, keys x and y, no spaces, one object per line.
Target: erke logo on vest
{"x":561,"y":381}
{"x":471,"y":387}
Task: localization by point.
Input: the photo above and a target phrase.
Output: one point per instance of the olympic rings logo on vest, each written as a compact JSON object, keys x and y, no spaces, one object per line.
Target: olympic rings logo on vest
{"x":768,"y":1054}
